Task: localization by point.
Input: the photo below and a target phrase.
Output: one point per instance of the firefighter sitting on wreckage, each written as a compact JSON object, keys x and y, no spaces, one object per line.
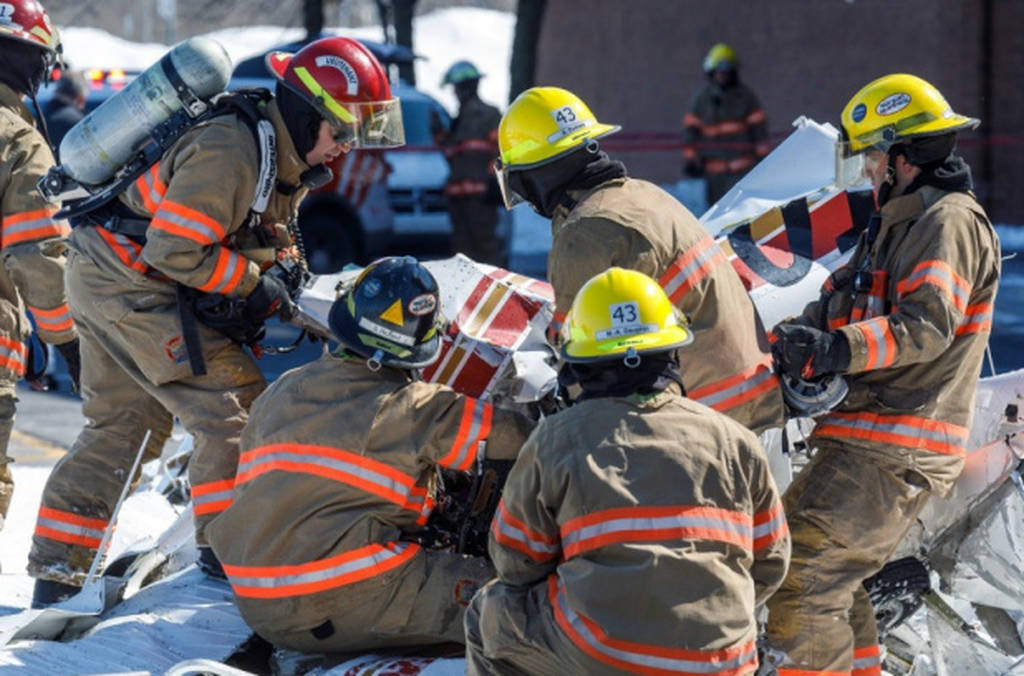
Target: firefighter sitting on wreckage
{"x":907,"y":320}
{"x":324,"y":544}
{"x":550,"y":158}
{"x":184,"y":236}
{"x":638,"y":529}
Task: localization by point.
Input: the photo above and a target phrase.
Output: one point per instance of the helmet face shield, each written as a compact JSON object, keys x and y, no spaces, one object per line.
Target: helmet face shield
{"x":850,"y":169}
{"x":509,"y":196}
{"x":367,"y":125}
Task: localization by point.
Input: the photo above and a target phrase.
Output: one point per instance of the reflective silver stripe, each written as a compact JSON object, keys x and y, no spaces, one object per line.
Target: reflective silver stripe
{"x":11,"y":353}
{"x":28,"y":225}
{"x":202,"y":229}
{"x":882,"y":354}
{"x":962,"y":294}
{"x":513,"y":533}
{"x":335,"y":464}
{"x":472,"y":436}
{"x":654,"y":523}
{"x":739,"y":388}
{"x":867,"y":662}
{"x":216,"y":496}
{"x":770,"y":527}
{"x":876,"y":306}
{"x":150,"y":185}
{"x":229,"y":271}
{"x":369,"y":560}
{"x":693,"y":266}
{"x":897,"y":428}
{"x":712,"y":666}
{"x":70,"y":529}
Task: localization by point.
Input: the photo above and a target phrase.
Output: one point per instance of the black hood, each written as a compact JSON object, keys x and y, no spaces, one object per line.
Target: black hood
{"x":22,"y":66}
{"x":546,"y":186}
{"x":300,"y":118}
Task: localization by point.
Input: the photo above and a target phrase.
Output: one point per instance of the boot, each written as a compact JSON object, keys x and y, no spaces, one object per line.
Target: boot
{"x":48,"y":592}
{"x":210,"y":564}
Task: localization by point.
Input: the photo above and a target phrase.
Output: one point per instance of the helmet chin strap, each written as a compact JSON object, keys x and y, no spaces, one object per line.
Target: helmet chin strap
{"x":885,"y":189}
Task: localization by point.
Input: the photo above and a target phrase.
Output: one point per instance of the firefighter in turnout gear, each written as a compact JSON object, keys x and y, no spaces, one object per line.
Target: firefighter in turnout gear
{"x":600,"y":218}
{"x":183,"y":252}
{"x":907,"y":321}
{"x":339,"y":474}
{"x":638,"y":529}
{"x":724,"y":132}
{"x":470,"y":146}
{"x":32,"y":242}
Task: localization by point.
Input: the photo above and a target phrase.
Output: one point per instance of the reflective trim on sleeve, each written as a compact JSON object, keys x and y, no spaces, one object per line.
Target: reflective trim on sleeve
{"x":737,"y":389}
{"x":651,"y":524}
{"x":690,"y":268}
{"x":28,"y":226}
{"x":691,"y":120}
{"x":151,"y":188}
{"x":867,"y":661}
{"x":940,"y":275}
{"x":474,"y":427}
{"x":227,"y":274}
{"x":879,"y":341}
{"x":182,"y":221}
{"x":213,"y":497}
{"x":900,"y":430}
{"x":977,"y":318}
{"x":55,"y":320}
{"x":770,"y":526}
{"x":126,"y":250}
{"x":642,"y":658}
{"x":511,"y":532}
{"x":69,"y":528}
{"x":335,"y":464}
{"x":12,"y":355}
{"x":272,"y":582}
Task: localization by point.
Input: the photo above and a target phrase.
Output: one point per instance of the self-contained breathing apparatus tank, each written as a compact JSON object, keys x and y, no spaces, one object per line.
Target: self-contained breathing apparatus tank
{"x":133,"y":127}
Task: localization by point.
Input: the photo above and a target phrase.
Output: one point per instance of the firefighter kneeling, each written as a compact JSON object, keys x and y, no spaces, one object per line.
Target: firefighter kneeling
{"x":338,"y":476}
{"x":638,"y":529}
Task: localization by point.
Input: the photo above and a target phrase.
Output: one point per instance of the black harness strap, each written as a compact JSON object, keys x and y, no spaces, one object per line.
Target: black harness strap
{"x":190,"y":331}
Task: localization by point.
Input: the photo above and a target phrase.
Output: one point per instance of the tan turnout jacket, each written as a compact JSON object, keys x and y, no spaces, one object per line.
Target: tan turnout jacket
{"x":636,"y":225}
{"x":338,"y":464}
{"x":917,"y":335}
{"x":656,"y":528}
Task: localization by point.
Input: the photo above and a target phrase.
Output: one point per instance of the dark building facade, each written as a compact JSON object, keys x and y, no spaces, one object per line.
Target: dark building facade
{"x":638,"y":62}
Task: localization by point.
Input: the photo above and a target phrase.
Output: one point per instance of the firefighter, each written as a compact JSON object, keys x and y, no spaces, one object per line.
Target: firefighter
{"x":32,"y":242}
{"x":724,"y":132}
{"x":907,"y":321}
{"x":66,"y":108}
{"x":168,"y":283}
{"x":638,"y":529}
{"x":470,"y":145}
{"x":599,"y":218}
{"x":338,"y":474}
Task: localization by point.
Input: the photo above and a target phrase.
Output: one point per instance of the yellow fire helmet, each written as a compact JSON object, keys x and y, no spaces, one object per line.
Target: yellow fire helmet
{"x":721,"y":57}
{"x":620,"y":314}
{"x":897,"y":108}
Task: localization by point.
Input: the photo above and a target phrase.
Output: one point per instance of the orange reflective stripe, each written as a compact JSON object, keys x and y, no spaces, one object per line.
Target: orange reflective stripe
{"x":756,"y":116}
{"x":941,"y":275}
{"x":227,"y":273}
{"x":55,"y":320}
{"x":762,"y":149}
{"x":867,"y":661}
{"x":127,"y":251}
{"x":770,"y":526}
{"x":737,"y":389}
{"x":28,"y":226}
{"x":691,"y":120}
{"x":557,"y":321}
{"x":475,"y":145}
{"x":335,"y":464}
{"x":724,"y":128}
{"x":834,"y":324}
{"x":70,"y":528}
{"x":272,"y":582}
{"x":474,"y":427}
{"x":900,"y":430}
{"x":466,"y":187}
{"x":977,"y":318}
{"x":213,"y":497}
{"x":742,"y":163}
{"x":783,"y":671}
{"x":178,"y":219}
{"x":879,"y":341}
{"x":715,"y":166}
{"x":650,"y":524}
{"x":151,"y":188}
{"x":511,"y":532}
{"x":690,"y":268}
{"x":12,"y":355}
{"x":689,"y":153}
{"x":644,"y":658}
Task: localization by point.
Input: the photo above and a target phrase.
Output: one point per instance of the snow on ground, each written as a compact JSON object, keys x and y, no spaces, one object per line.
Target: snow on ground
{"x":441,"y":37}
{"x":16,"y":535}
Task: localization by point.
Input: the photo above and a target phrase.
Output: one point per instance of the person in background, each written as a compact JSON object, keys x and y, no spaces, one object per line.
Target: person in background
{"x":724,"y":131}
{"x":638,"y":530}
{"x":470,"y":146}
{"x":66,"y":108}
{"x":906,"y":322}
{"x":339,"y":474}
{"x":32,"y":241}
{"x":550,"y":158}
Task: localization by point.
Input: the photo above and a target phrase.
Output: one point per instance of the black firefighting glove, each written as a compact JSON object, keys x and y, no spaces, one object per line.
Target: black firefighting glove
{"x":269,"y":298}
{"x":693,"y":169}
{"x":807,"y":353}
{"x":71,"y":356}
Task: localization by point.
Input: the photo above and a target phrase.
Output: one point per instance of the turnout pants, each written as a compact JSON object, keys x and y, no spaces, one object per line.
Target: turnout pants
{"x":421,"y":603}
{"x":474,"y":225}
{"x":136,"y":376}
{"x":846,"y":514}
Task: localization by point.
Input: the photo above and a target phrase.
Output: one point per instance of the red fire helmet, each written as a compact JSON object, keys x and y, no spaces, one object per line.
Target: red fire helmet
{"x":27,"y":21}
